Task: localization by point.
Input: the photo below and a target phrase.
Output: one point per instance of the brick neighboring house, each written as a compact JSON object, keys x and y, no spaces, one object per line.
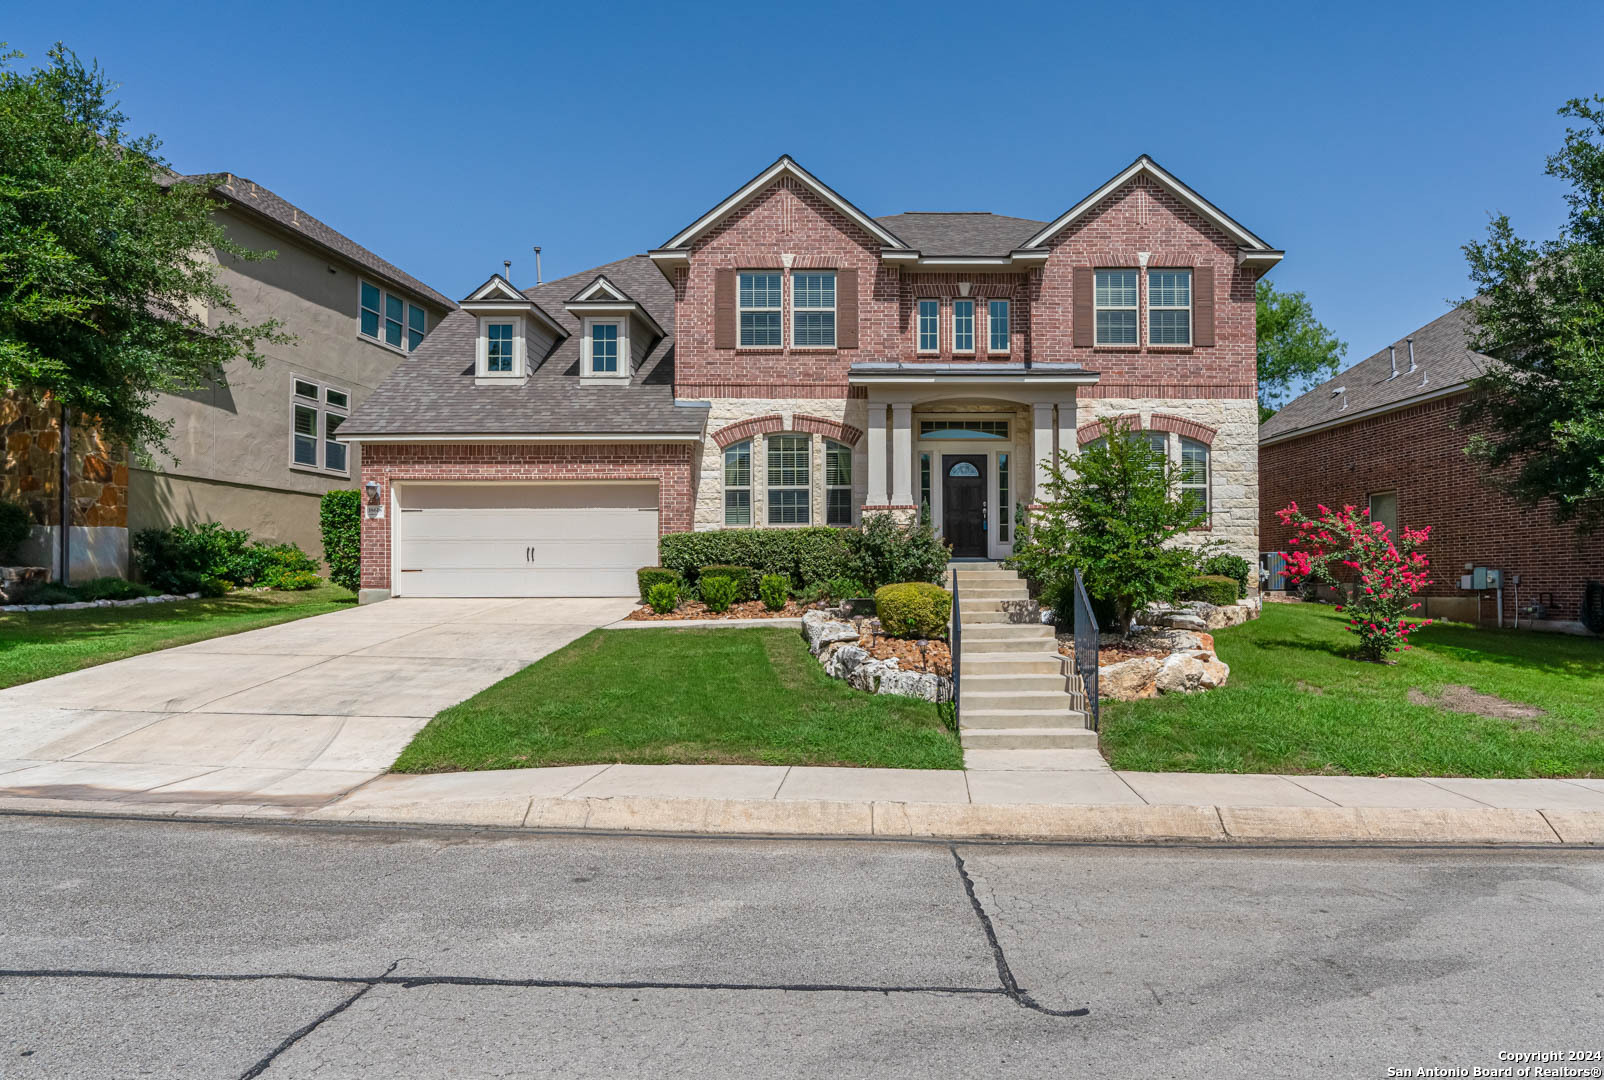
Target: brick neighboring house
{"x":1385,"y":434}
{"x":256,"y":449}
{"x":787,"y":360}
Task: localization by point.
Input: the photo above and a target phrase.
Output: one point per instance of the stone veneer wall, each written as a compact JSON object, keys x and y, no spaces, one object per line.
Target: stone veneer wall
{"x":853,"y":412}
{"x":1233,"y":460}
{"x":32,"y":475}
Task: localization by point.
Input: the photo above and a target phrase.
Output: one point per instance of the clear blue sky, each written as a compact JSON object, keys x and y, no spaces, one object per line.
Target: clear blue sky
{"x":1369,"y":141}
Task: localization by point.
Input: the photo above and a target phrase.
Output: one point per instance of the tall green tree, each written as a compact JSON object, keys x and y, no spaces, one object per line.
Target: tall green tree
{"x":1539,"y":310}
{"x":1293,"y":346}
{"x":109,"y":289}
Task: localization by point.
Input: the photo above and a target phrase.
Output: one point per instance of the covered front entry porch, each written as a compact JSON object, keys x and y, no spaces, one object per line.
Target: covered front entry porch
{"x":966,"y":445}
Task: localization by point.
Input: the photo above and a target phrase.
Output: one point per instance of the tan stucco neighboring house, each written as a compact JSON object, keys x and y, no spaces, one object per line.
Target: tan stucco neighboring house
{"x":256,"y":450}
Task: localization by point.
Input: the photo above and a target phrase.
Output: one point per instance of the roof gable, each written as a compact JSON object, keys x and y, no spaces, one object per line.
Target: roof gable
{"x":600,"y":290}
{"x":1146,"y":166}
{"x":497,"y":288}
{"x":785,"y":166}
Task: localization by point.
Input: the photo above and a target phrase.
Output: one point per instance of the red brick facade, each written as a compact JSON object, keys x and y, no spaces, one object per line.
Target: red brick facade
{"x":670,"y":464}
{"x":790,"y":219}
{"x":1418,"y":452}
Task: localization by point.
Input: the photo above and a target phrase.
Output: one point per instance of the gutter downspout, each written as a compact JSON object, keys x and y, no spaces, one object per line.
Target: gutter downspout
{"x":64,"y":541}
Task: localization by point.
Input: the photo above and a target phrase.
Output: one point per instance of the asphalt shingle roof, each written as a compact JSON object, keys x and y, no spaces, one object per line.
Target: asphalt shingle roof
{"x":253,"y":196}
{"x":432,"y":392}
{"x":1442,"y":359}
{"x":962,"y":233}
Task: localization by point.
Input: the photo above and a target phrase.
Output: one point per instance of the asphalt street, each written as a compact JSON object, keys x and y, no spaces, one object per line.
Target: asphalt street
{"x":155,"y":949}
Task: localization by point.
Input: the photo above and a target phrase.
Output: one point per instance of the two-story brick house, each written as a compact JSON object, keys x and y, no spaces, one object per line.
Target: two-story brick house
{"x":787,"y":360}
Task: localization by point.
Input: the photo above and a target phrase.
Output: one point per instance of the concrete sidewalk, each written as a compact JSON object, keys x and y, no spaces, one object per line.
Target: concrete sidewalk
{"x":1047,"y":795}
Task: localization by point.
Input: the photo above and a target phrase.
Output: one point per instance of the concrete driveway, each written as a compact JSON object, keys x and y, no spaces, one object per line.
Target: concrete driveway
{"x":286,"y":716}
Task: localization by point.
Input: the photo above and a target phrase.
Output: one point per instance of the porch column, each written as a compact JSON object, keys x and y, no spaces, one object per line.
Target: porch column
{"x":902,"y":454}
{"x":877,"y":454}
{"x":1066,"y":428}
{"x":1041,"y":416}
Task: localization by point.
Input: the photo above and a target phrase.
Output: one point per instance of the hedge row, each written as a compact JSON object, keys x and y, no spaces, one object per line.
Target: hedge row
{"x":804,"y":555}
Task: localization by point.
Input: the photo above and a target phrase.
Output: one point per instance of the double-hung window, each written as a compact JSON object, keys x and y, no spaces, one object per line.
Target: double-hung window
{"x":1169,"y":307}
{"x":604,"y":348}
{"x":1195,"y":477}
{"x":997,"y":325}
{"x":738,"y":484}
{"x":789,"y":491}
{"x":963,"y":326}
{"x":760,"y":310}
{"x":837,"y":483}
{"x":813,"y":310}
{"x":388,"y":318}
{"x":498,"y":348}
{"x":929,"y":326}
{"x":1114,"y":298}
{"x":316,"y":413}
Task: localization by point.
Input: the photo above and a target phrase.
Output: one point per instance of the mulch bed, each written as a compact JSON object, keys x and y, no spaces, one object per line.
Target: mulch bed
{"x":1114,"y":653}
{"x":934,"y":658}
{"x":696,"y":610}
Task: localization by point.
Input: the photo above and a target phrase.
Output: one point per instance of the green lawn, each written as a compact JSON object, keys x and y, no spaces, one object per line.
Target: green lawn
{"x":737,"y":696}
{"x":38,"y":644}
{"x":1295,"y":703}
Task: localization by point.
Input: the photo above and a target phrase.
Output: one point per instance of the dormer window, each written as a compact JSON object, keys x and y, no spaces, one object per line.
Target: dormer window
{"x":604,"y":349}
{"x":498,"y":348}
{"x":501,"y":350}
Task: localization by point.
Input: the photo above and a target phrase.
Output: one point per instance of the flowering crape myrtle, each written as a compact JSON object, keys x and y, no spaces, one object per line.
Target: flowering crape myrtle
{"x":1385,"y":574}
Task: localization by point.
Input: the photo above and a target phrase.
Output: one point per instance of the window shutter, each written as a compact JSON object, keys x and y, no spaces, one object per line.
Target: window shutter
{"x":724,"y":309}
{"x":1085,"y":315}
{"x":846,"y":309}
{"x":1203,"y":306}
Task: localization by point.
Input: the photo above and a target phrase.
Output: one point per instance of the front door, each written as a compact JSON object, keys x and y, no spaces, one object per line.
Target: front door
{"x":963,"y":503}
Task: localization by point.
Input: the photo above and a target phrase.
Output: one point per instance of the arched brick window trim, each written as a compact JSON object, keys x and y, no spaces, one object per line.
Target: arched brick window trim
{"x":1098,"y":428}
{"x":1180,"y":425}
{"x":745,"y":429}
{"x":818,"y":425}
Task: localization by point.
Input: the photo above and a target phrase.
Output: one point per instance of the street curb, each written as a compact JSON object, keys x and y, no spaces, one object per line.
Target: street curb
{"x":946,"y":821}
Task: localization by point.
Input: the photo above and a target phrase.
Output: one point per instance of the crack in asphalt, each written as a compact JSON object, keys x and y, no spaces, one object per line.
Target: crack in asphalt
{"x":300,"y":1033}
{"x":1011,"y":985}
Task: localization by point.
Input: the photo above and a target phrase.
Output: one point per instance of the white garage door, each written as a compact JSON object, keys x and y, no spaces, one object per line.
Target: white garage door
{"x":523,"y":539}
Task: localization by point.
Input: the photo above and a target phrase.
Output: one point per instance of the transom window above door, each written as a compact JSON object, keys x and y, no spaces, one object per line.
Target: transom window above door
{"x":761,"y":304}
{"x":963,"y":429}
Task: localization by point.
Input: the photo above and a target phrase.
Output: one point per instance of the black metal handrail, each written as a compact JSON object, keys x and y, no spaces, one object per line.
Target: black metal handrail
{"x":956,"y":637}
{"x":1086,"y":642}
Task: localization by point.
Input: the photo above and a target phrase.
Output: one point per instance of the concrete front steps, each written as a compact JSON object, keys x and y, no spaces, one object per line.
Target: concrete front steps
{"x":1012,"y":694}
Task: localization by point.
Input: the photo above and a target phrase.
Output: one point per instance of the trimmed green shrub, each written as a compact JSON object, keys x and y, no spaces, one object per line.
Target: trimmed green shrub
{"x":805,"y":555}
{"x":340,"y":516}
{"x":885,"y":552}
{"x":774,"y":590}
{"x":647,"y":576}
{"x":663,"y":596}
{"x":297,"y":580}
{"x":743,"y":576}
{"x":1234,"y":567}
{"x":214,"y":587}
{"x":1213,"y":589}
{"x":15,"y":524}
{"x":48,"y":592}
{"x":176,"y":560}
{"x":718,"y":593}
{"x":847,"y":588}
{"x":913,"y":609}
{"x":112,"y":588}
{"x":268,"y":564}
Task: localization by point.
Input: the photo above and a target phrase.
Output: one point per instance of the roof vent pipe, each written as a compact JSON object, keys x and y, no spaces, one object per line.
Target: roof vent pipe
{"x":1409,"y":341}
{"x":506,"y":270}
{"x":538,"y":280}
{"x":1392,"y":358}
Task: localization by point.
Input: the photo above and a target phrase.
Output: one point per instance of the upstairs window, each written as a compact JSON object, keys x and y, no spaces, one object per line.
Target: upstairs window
{"x":604,"y":348}
{"x":1169,"y":307}
{"x":813,"y":310}
{"x":837,"y":483}
{"x":929,"y":326}
{"x":498,"y":348}
{"x":789,"y":493}
{"x":738,"y":484}
{"x":316,"y":413}
{"x":997,"y":325}
{"x":1114,"y":298}
{"x":390,"y":319}
{"x":963,"y":326}
{"x":760,"y":310}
